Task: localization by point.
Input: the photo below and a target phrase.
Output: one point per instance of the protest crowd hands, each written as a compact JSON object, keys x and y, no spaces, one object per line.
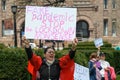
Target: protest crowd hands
{"x":74,"y":44}
{"x":106,"y":69}
{"x":25,"y":42}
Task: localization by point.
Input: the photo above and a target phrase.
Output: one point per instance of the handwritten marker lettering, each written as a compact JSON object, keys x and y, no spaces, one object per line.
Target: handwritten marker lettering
{"x":50,"y":23}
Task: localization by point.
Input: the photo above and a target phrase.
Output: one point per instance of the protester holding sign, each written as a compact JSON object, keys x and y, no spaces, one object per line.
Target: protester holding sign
{"x":49,"y":67}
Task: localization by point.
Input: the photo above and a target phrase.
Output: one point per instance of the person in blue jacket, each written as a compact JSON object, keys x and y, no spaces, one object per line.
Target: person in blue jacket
{"x":94,"y":67}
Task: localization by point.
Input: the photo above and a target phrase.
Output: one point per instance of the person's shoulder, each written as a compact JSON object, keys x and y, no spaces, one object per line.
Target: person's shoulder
{"x":100,"y":61}
{"x":103,"y":61}
{"x":90,"y":62}
{"x":107,"y":62}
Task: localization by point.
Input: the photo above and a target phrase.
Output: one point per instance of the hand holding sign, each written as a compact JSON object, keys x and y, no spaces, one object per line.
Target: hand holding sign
{"x":74,"y":44}
{"x":25,"y":42}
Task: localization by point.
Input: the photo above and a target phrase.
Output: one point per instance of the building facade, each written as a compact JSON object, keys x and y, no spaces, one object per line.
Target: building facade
{"x":95,"y":19}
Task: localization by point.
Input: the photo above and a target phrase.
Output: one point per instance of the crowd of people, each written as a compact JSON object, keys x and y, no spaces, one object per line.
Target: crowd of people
{"x":49,"y":68}
{"x":99,"y":68}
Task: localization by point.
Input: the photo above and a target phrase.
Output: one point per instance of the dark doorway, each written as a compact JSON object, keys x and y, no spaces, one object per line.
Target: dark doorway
{"x":82,"y":29}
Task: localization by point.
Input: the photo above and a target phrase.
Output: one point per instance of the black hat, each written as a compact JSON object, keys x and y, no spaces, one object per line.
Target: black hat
{"x":102,"y":54}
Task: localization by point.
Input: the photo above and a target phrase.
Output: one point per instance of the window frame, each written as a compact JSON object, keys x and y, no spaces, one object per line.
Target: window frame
{"x":105,"y":27}
{"x":3,"y":4}
{"x":80,"y":31}
{"x":105,"y":4}
{"x":113,"y":4}
{"x":114,"y":27}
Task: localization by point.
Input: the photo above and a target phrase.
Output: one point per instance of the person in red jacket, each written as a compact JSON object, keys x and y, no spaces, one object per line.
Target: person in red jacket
{"x":49,"y":67}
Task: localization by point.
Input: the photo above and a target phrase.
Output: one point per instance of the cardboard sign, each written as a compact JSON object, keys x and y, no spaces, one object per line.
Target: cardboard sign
{"x":50,"y":23}
{"x":81,"y":72}
{"x":98,"y":42}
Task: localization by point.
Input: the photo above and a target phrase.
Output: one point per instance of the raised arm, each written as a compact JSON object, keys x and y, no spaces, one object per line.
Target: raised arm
{"x":66,"y":60}
{"x":73,"y":49}
{"x":98,"y":52}
{"x":27,"y":48}
{"x":33,"y":58}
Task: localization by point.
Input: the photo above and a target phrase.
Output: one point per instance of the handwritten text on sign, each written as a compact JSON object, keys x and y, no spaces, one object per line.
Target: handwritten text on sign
{"x":98,"y":42}
{"x":50,"y":23}
{"x":81,"y":72}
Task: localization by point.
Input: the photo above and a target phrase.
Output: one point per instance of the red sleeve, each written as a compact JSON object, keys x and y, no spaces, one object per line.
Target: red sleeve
{"x":33,"y":65}
{"x":36,"y":61}
{"x":67,"y":68}
{"x":112,"y":72}
{"x":64,"y":61}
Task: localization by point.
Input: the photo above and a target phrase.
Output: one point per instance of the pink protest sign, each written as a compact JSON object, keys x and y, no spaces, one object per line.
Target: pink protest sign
{"x":50,"y":23}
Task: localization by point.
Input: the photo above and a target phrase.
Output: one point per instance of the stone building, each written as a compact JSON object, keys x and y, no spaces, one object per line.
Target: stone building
{"x":95,"y":19}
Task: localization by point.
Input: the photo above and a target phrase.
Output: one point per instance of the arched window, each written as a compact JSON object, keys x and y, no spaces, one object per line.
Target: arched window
{"x":82,"y":29}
